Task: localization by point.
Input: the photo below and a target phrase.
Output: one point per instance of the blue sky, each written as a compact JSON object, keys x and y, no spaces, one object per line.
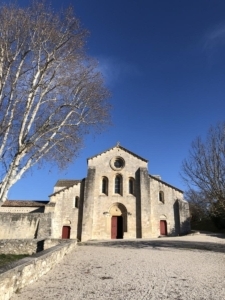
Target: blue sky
{"x":164,"y":62}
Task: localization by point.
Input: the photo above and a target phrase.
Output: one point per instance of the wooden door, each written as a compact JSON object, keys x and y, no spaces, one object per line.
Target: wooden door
{"x":163,"y":227}
{"x":117,"y":227}
{"x":114,"y":227}
{"x":66,"y":232}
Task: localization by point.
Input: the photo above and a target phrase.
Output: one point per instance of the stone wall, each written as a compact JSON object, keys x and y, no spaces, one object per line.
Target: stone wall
{"x":88,"y":204}
{"x":98,"y":206}
{"x":141,"y":210}
{"x":27,"y":246}
{"x":25,"y":226}
{"x":185,"y":225}
{"x":168,"y":210}
{"x":145,"y":204}
{"x":27,"y":270}
{"x":65,"y":211}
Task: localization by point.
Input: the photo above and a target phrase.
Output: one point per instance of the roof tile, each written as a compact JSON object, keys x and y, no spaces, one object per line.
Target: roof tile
{"x":66,"y":182}
{"x":26,"y":203}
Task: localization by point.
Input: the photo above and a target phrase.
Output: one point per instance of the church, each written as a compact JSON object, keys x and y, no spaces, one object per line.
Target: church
{"x":118,"y":199}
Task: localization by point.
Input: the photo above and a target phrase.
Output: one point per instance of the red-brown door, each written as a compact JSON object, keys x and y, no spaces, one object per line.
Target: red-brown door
{"x":66,"y":232}
{"x":114,"y":227}
{"x":163,"y":227}
{"x":117,"y":227}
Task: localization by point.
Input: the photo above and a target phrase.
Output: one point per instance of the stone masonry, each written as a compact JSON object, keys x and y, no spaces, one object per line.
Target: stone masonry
{"x":141,"y":204}
{"x":117,"y":200}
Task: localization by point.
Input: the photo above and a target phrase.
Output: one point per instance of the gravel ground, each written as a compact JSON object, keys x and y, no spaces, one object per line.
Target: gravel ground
{"x":191,"y":267}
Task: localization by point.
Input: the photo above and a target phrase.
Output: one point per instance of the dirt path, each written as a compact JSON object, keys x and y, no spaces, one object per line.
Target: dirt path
{"x":191,"y":267}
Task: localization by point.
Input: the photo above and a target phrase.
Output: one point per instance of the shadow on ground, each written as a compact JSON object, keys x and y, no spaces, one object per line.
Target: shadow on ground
{"x":214,"y":234}
{"x":158,"y":244}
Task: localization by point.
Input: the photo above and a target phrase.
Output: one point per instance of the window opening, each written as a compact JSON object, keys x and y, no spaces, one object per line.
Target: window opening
{"x":131,"y":186}
{"x":118,"y":163}
{"x":105,"y":185}
{"x":118,"y":184}
{"x":161,"y":196}
{"x":76,"y":202}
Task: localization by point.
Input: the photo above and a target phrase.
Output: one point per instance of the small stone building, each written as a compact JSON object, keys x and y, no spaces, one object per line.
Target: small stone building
{"x":117,"y":199}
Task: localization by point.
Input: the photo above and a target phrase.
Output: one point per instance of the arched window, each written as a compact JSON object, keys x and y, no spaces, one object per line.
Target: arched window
{"x":76,"y":204}
{"x":105,"y":185}
{"x":131,"y":186}
{"x":118,"y":184}
{"x":161,"y":197}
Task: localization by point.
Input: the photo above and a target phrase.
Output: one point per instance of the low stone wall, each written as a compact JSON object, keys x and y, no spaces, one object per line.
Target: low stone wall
{"x":27,"y":246}
{"x":15,"y":276}
{"x":48,"y":243}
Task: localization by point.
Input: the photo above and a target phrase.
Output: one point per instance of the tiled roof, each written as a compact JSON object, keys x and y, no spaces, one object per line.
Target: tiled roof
{"x":22,"y":203}
{"x":51,"y":204}
{"x":66,"y":182}
{"x":122,"y":148}
{"x":169,"y":185}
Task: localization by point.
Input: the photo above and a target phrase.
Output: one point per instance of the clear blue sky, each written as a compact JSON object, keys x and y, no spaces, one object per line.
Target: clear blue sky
{"x":164,"y":62}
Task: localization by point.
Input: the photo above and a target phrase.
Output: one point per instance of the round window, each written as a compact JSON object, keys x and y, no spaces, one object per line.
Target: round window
{"x":117,"y":163}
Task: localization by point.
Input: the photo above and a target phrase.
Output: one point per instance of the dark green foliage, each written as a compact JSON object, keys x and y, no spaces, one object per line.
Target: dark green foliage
{"x":8,"y":258}
{"x":205,"y":216}
{"x":219,"y":218}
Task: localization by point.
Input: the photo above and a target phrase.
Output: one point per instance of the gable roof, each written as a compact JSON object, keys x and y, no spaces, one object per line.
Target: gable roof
{"x":66,"y":182}
{"x":24,"y":203}
{"x":122,"y":148}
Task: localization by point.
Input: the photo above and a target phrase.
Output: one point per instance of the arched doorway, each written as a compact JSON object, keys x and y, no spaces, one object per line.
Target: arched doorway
{"x":116,"y":227}
{"x":118,"y":214}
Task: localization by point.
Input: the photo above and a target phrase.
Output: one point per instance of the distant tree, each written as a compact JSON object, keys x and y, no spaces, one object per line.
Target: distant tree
{"x":203,"y":217}
{"x":198,"y":207}
{"x":51,"y":93}
{"x":204,"y":171}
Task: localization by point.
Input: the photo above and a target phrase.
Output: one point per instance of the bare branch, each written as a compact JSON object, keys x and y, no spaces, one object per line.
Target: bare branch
{"x":51,"y":93}
{"x":204,"y":170}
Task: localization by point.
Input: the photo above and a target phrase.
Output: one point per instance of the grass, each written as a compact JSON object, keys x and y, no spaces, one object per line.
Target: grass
{"x":8,"y":258}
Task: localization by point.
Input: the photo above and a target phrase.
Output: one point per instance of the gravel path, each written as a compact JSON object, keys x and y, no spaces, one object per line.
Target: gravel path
{"x":191,"y":267}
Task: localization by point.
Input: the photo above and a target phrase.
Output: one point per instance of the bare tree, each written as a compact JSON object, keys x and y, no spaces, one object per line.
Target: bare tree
{"x":51,"y":93}
{"x":197,"y":204}
{"x":204,"y":170}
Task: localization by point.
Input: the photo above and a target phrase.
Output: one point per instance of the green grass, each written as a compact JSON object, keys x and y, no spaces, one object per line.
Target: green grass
{"x":8,"y":258}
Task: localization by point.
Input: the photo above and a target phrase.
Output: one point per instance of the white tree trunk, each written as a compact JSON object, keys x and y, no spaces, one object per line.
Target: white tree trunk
{"x":51,"y":94}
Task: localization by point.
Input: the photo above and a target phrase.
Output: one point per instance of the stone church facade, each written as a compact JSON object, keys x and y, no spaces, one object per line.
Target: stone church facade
{"x":117,"y":199}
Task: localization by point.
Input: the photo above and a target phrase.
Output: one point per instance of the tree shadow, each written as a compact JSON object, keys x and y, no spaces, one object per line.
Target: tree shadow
{"x":213,"y":234}
{"x":158,"y":244}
